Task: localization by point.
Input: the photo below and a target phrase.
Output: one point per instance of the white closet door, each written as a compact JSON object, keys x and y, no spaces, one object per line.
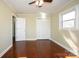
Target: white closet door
{"x":20,"y":29}
{"x":43,"y":28}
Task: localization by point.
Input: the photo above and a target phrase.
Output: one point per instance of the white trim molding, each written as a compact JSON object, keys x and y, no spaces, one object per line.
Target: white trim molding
{"x":1,"y":54}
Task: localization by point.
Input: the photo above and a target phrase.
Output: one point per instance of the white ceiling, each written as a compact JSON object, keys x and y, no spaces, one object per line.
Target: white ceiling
{"x":22,"y":6}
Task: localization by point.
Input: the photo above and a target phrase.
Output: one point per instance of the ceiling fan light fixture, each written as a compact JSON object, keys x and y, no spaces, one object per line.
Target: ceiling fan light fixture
{"x":39,"y":2}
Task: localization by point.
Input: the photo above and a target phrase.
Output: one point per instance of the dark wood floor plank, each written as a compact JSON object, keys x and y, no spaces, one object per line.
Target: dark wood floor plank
{"x":36,"y":49}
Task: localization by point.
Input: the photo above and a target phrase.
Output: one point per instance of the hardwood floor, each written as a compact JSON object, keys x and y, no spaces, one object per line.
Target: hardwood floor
{"x":36,"y":49}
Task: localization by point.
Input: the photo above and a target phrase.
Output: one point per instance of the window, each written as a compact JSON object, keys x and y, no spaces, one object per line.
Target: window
{"x":69,"y":19}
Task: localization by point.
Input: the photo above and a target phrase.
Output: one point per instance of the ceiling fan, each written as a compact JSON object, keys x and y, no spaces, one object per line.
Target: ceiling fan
{"x":39,"y":3}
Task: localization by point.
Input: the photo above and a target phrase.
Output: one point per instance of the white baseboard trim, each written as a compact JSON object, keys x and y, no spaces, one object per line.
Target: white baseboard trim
{"x":27,"y":40}
{"x":65,"y":47}
{"x":5,"y":51}
{"x":30,"y":39}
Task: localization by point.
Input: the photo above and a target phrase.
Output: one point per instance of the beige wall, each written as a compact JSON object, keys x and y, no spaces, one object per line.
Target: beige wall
{"x":71,"y":38}
{"x":5,"y":27}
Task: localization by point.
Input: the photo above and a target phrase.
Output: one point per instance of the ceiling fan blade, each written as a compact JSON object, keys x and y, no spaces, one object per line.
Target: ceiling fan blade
{"x":48,"y":0}
{"x":32,"y":2}
{"x":39,"y":6}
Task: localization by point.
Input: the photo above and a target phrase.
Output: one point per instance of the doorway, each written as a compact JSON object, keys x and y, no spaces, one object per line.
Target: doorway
{"x":20,"y":29}
{"x":13,"y":28}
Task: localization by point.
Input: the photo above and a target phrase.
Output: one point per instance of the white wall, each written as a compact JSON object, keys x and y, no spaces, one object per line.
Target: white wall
{"x":5,"y":27}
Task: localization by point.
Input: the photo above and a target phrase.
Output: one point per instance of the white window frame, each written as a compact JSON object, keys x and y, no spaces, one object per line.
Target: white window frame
{"x":76,"y":9}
